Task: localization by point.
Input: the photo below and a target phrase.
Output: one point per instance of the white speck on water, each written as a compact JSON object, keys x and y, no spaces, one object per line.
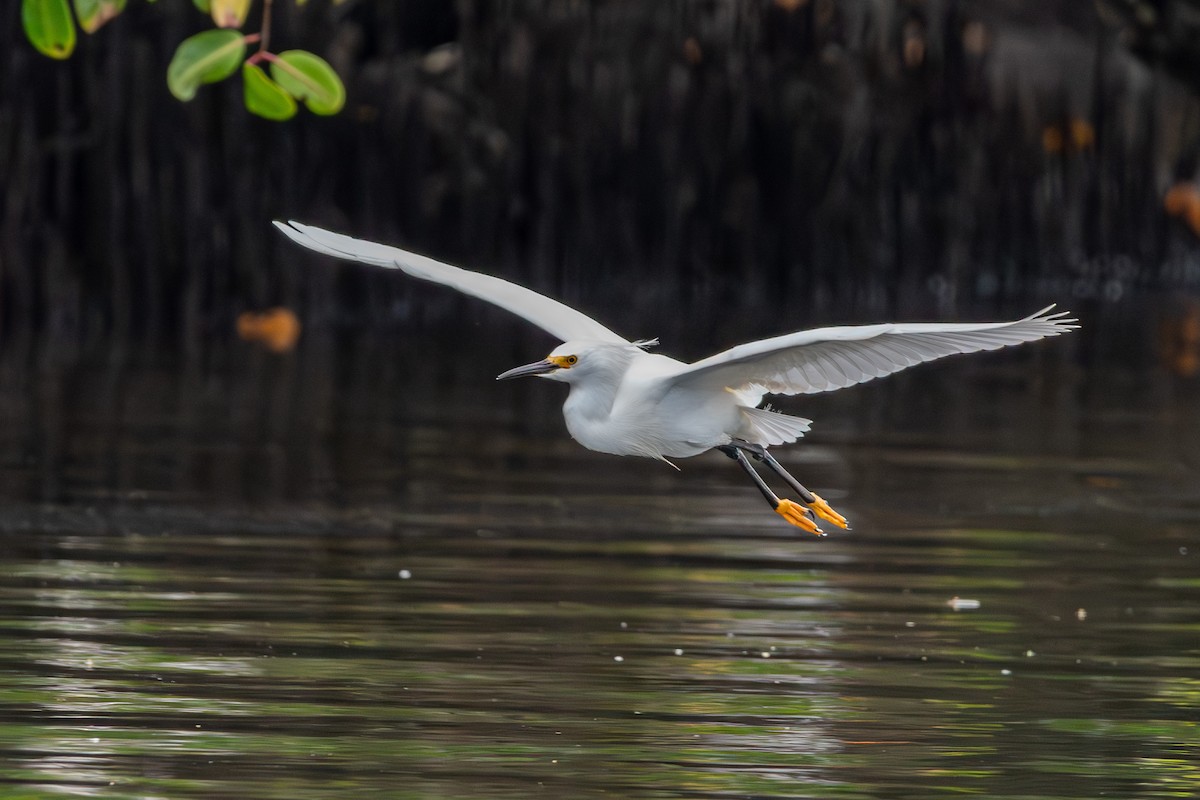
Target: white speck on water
{"x":678,"y":651}
{"x":624,"y":625}
{"x":1006,"y":672}
{"x":1030,"y":654}
{"x":910,"y":624}
{"x":962,"y":604}
{"x":618,"y":659}
{"x":765,"y":654}
{"x":405,"y":574}
{"x":1183,"y":551}
{"x":1081,"y":614}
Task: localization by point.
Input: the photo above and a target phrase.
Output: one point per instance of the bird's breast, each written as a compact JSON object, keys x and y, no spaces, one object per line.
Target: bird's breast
{"x":604,"y":432}
{"x":651,"y":426}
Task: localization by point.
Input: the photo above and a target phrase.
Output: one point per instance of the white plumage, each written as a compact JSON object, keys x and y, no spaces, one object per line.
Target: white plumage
{"x":626,"y":401}
{"x":545,"y":312}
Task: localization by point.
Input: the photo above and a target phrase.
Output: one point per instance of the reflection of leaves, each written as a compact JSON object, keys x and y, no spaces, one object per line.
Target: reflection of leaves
{"x":1179,"y":341}
{"x":204,"y":58}
{"x":49,"y":27}
{"x":265,"y":97}
{"x":309,"y":78}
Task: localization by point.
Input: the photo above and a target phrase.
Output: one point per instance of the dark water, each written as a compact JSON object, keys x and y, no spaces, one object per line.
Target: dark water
{"x":382,"y":575}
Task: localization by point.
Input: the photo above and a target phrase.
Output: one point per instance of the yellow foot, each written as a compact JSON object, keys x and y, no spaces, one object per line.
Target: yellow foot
{"x":822,"y":510}
{"x":795,"y":514}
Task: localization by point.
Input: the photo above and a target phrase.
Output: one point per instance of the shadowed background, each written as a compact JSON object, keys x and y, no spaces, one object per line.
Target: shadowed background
{"x":804,"y":161}
{"x":702,"y":172}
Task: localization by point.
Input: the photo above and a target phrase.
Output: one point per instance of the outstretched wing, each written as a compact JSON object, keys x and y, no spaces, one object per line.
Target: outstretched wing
{"x":558,"y":319}
{"x":825,"y":359}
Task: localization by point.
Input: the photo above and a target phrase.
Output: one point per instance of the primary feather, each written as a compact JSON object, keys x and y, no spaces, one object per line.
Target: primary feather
{"x":825,"y":359}
{"x":552,"y":316}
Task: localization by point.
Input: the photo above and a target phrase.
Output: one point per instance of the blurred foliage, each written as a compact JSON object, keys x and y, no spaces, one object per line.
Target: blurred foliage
{"x":277,"y":329}
{"x":766,"y":164}
{"x":1073,"y":135}
{"x":206,"y":57}
{"x":1183,"y":201}
{"x":1163,"y":32}
{"x":49,"y":27}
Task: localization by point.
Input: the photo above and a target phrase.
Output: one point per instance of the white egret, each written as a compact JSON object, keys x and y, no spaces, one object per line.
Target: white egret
{"x":628,"y":402}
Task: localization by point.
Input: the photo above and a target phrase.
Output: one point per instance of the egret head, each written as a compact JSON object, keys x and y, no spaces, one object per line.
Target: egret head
{"x":572,"y":361}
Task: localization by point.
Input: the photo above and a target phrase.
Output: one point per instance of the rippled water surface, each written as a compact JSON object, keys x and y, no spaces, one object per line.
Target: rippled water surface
{"x":387,"y":577}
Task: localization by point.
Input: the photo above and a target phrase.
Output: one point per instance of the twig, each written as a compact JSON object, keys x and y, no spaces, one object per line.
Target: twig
{"x":266,"y":27}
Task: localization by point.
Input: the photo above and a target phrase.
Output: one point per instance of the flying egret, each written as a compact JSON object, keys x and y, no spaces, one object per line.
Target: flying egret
{"x":628,"y":402}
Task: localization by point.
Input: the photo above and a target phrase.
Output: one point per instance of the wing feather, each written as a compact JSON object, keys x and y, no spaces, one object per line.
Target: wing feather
{"x":825,"y":359}
{"x":813,"y":374}
{"x":557,"y":318}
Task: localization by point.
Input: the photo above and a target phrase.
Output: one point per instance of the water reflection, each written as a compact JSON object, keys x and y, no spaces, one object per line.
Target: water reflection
{"x":314,"y":577}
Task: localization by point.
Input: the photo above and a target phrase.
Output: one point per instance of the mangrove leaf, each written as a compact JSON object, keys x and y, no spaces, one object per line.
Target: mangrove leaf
{"x":49,"y":27}
{"x":207,"y":57}
{"x":309,"y":77}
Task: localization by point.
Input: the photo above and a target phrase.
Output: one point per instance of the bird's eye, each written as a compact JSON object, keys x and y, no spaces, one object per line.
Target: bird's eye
{"x":572,"y":360}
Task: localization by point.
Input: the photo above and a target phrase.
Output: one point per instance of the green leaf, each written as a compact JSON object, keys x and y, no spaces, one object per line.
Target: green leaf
{"x":309,"y":78}
{"x":207,"y":57}
{"x":203,"y":5}
{"x":94,"y":13}
{"x":49,"y":26}
{"x":265,"y":97}
{"x":229,"y":13}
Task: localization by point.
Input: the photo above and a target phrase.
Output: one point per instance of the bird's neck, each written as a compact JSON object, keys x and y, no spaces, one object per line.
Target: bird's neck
{"x":593,"y":398}
{"x":591,"y":402}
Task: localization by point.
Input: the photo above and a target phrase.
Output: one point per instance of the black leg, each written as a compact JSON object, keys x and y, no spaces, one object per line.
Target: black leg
{"x":805,"y":494}
{"x":787,"y":509}
{"x":740,"y":457}
{"x":814,"y":501}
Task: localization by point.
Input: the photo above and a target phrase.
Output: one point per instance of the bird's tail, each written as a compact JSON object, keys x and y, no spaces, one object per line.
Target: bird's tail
{"x":765,"y":427}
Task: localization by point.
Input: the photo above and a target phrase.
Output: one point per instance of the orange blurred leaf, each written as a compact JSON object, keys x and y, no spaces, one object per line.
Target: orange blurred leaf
{"x":1072,"y":136}
{"x":1083,"y":135}
{"x":1052,"y":139}
{"x":277,"y":329}
{"x":1183,"y":200}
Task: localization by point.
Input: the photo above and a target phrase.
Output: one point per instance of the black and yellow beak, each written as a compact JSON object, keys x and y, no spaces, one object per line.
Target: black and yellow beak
{"x":536,"y":368}
{"x":546,"y":365}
